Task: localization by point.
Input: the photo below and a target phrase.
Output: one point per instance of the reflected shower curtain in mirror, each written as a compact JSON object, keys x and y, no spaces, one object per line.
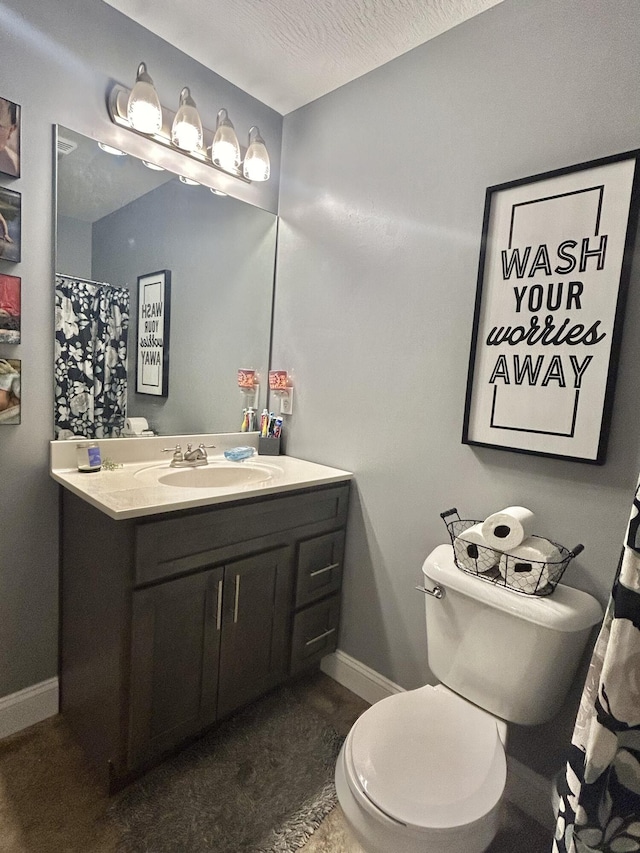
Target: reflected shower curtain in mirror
{"x":90,"y":373}
{"x":599,"y":807}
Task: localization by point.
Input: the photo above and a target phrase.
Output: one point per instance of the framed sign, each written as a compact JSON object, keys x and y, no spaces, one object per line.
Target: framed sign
{"x":152,"y":353}
{"x":554,"y":270}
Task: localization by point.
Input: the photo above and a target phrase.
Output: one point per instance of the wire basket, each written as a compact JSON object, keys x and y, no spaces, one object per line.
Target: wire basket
{"x":530,"y":577}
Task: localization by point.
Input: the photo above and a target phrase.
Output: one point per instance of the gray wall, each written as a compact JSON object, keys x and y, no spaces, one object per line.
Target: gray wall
{"x":73,"y":247}
{"x":221,"y":254}
{"x":381,"y":216}
{"x":58,"y":60}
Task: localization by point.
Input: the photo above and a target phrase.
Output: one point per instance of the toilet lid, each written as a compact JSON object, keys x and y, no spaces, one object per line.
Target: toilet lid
{"x":428,"y":758}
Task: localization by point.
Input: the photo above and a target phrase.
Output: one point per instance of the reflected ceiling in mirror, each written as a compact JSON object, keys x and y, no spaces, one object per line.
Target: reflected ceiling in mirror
{"x":118,"y":220}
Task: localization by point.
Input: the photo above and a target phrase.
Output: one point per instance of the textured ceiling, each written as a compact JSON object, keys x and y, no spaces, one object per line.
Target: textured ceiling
{"x":287,"y":53}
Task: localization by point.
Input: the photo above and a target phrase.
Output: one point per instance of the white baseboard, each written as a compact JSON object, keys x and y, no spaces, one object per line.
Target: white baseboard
{"x":530,"y":792}
{"x":526,"y":789}
{"x":358,"y":678}
{"x":22,"y":709}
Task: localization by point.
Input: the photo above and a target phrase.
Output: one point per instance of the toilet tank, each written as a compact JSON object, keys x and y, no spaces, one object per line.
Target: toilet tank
{"x":514,"y":655}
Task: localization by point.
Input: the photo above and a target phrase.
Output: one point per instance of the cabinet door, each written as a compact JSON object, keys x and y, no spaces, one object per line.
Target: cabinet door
{"x":176,"y":629}
{"x":255,"y":625}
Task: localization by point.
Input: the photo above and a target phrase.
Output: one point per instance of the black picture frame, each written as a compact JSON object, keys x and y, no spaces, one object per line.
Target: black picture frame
{"x":553,"y":276}
{"x":10,"y":225}
{"x":152,"y":339}
{"x":11,"y":388}
{"x":10,"y":120}
{"x":10,"y":308}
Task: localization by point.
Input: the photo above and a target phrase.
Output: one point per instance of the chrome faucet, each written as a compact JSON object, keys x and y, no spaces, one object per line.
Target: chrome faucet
{"x":191,"y":457}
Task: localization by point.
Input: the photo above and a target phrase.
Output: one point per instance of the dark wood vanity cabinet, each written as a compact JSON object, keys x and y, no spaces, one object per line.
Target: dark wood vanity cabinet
{"x":171,"y":622}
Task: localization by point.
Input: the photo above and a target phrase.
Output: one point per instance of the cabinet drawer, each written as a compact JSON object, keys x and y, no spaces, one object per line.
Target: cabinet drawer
{"x":173,"y":546}
{"x":319,"y":567}
{"x":315,"y":633}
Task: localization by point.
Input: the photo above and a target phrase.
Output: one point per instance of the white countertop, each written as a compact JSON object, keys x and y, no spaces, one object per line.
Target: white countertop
{"x":134,"y":490}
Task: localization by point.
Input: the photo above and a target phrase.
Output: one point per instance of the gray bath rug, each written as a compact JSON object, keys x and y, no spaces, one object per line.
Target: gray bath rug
{"x":261,"y":782}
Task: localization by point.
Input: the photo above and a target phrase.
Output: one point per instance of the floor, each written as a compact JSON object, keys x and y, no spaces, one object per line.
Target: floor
{"x":50,"y":801}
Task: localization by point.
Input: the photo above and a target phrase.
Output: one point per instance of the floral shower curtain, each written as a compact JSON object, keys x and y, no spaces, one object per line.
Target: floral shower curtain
{"x":599,"y":808}
{"x":92,"y":322}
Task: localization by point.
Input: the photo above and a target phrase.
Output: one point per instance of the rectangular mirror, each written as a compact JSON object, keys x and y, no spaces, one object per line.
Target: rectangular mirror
{"x":118,"y":220}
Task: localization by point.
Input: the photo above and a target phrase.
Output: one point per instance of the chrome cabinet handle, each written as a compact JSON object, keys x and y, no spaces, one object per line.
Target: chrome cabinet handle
{"x":237,"y":599}
{"x":219,"y":607}
{"x":436,"y":592}
{"x":322,"y":571}
{"x":320,"y":637}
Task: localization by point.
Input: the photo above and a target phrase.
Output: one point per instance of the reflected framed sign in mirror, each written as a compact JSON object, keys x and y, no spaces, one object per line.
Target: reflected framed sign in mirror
{"x":154,"y":315}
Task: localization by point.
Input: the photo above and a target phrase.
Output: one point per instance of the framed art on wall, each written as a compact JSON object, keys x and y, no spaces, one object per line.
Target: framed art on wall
{"x":553,"y":275}
{"x":9,"y":309}
{"x":152,"y":352}
{"x":10,"y":225}
{"x":10,"y":390}
{"x":9,"y":138}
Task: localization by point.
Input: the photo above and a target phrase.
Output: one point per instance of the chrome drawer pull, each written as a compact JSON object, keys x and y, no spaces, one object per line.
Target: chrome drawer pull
{"x":219,"y":610}
{"x":237,"y":599}
{"x":436,"y":592}
{"x":322,"y":571}
{"x":320,"y":637}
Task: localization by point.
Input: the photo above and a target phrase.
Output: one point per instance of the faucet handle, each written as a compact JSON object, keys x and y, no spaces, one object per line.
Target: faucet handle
{"x":177,"y":452}
{"x":204,"y":447}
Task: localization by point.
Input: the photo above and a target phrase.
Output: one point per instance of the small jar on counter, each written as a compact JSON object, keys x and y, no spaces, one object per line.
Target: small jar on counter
{"x":88,"y":456}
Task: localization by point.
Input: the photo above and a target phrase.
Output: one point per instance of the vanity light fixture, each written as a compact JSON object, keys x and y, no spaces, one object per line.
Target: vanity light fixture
{"x":143,"y":105}
{"x":139,"y":111}
{"x":109,"y":149}
{"x":189,"y":181}
{"x":218,"y":192}
{"x":256,"y":166}
{"x":186,"y":130}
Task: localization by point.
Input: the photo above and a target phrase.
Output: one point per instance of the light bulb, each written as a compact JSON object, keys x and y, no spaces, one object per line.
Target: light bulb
{"x":256,"y":166}
{"x":186,"y":131}
{"x":143,"y":108}
{"x":225,"y":150}
{"x":111,"y":150}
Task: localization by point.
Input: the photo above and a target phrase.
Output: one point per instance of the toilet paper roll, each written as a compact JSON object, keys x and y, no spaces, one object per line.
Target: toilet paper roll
{"x":529,"y":565}
{"x":471,"y":550}
{"x":135,"y":426}
{"x":506,"y":529}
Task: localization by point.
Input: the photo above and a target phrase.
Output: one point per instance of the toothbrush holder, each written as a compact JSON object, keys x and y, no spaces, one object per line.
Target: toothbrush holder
{"x":269,"y":446}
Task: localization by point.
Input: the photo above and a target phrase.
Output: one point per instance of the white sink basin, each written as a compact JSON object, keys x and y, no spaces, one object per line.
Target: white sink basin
{"x":215,"y":476}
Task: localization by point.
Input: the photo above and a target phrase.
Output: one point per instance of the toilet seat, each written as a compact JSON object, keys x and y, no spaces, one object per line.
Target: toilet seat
{"x":427,"y":759}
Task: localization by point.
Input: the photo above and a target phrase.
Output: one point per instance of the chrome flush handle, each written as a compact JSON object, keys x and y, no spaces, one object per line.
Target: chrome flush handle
{"x":436,"y":592}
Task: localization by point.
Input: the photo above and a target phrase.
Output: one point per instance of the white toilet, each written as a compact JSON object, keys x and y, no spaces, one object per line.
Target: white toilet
{"x":425,"y":770}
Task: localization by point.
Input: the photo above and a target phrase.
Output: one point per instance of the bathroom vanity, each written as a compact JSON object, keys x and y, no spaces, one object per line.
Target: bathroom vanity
{"x":174,"y":616}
